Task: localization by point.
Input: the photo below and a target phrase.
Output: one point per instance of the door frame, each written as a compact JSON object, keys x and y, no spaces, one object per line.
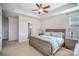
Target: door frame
{"x":0,"y":28}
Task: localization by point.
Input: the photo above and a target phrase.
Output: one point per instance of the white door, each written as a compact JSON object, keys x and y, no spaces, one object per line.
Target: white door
{"x":0,"y":29}
{"x":13,"y":23}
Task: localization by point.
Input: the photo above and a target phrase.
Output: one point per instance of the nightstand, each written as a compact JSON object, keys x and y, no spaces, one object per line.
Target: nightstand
{"x":70,"y":44}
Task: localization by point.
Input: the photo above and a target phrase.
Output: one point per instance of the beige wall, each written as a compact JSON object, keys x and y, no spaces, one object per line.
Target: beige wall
{"x":18,"y":27}
{"x":13,"y":28}
{"x":23,"y":27}
{"x":56,"y":22}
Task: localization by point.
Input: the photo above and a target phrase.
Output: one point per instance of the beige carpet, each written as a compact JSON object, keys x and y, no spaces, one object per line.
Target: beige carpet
{"x":64,"y":52}
{"x":19,"y":49}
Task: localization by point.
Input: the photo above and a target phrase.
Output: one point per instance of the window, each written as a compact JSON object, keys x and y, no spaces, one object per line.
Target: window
{"x":74,"y":26}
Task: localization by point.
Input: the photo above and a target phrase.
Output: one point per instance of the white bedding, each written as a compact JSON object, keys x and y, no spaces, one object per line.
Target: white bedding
{"x":76,"y":50}
{"x":43,"y":37}
{"x":55,"y":41}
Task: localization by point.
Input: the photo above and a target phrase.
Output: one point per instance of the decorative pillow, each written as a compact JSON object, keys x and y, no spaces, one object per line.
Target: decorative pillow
{"x":57,"y":34}
{"x":52,"y":33}
{"x":47,"y":33}
{"x":76,"y":50}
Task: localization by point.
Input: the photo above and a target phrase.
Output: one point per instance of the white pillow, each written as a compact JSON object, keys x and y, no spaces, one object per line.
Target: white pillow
{"x":76,"y":50}
{"x":47,"y":33}
{"x":52,"y":33}
{"x":57,"y":34}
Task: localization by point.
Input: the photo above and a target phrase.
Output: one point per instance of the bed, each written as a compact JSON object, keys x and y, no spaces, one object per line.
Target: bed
{"x":45,"y":46}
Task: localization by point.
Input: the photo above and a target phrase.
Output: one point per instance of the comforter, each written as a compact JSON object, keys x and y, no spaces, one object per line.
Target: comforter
{"x":55,"y":41}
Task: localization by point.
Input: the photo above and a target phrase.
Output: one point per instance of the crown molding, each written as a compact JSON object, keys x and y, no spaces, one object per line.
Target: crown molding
{"x":19,"y":11}
{"x":62,"y":12}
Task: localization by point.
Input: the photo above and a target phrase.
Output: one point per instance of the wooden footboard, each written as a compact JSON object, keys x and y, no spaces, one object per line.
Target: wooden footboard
{"x":43,"y":46}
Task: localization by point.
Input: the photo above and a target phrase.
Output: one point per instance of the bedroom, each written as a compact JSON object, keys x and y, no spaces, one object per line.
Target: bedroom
{"x":20,"y":23}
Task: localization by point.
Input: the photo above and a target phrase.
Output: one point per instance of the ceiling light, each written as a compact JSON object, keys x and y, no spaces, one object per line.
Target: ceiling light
{"x":40,"y":10}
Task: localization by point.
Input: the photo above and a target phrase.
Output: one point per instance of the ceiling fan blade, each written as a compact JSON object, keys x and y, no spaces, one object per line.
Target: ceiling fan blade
{"x":38,"y":5}
{"x":35,"y":10}
{"x":41,"y":5}
{"x":45,"y":11}
{"x":46,"y":7}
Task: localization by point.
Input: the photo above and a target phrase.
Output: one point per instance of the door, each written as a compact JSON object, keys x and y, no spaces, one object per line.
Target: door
{"x":0,"y":29}
{"x":13,"y":31}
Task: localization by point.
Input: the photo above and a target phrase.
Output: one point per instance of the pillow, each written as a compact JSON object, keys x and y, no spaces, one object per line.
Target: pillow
{"x":57,"y":34}
{"x":52,"y":33}
{"x":76,"y":50}
{"x":47,"y":33}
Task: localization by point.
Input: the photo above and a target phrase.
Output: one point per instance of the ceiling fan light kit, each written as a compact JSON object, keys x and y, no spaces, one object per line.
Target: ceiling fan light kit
{"x":40,"y":10}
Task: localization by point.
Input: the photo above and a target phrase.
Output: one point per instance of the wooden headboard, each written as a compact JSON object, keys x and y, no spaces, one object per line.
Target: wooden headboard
{"x":56,"y":30}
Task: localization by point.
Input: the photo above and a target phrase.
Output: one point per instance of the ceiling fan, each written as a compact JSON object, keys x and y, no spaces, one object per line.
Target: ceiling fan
{"x":41,"y":8}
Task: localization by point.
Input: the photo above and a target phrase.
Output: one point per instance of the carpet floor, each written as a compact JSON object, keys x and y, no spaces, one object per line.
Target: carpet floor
{"x":14,"y":48}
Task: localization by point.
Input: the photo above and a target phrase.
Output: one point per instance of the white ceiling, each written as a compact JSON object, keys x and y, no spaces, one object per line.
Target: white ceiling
{"x":16,"y":9}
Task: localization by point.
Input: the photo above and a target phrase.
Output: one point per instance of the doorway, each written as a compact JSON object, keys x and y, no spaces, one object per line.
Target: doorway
{"x":5,"y":28}
{"x":29,"y":29}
